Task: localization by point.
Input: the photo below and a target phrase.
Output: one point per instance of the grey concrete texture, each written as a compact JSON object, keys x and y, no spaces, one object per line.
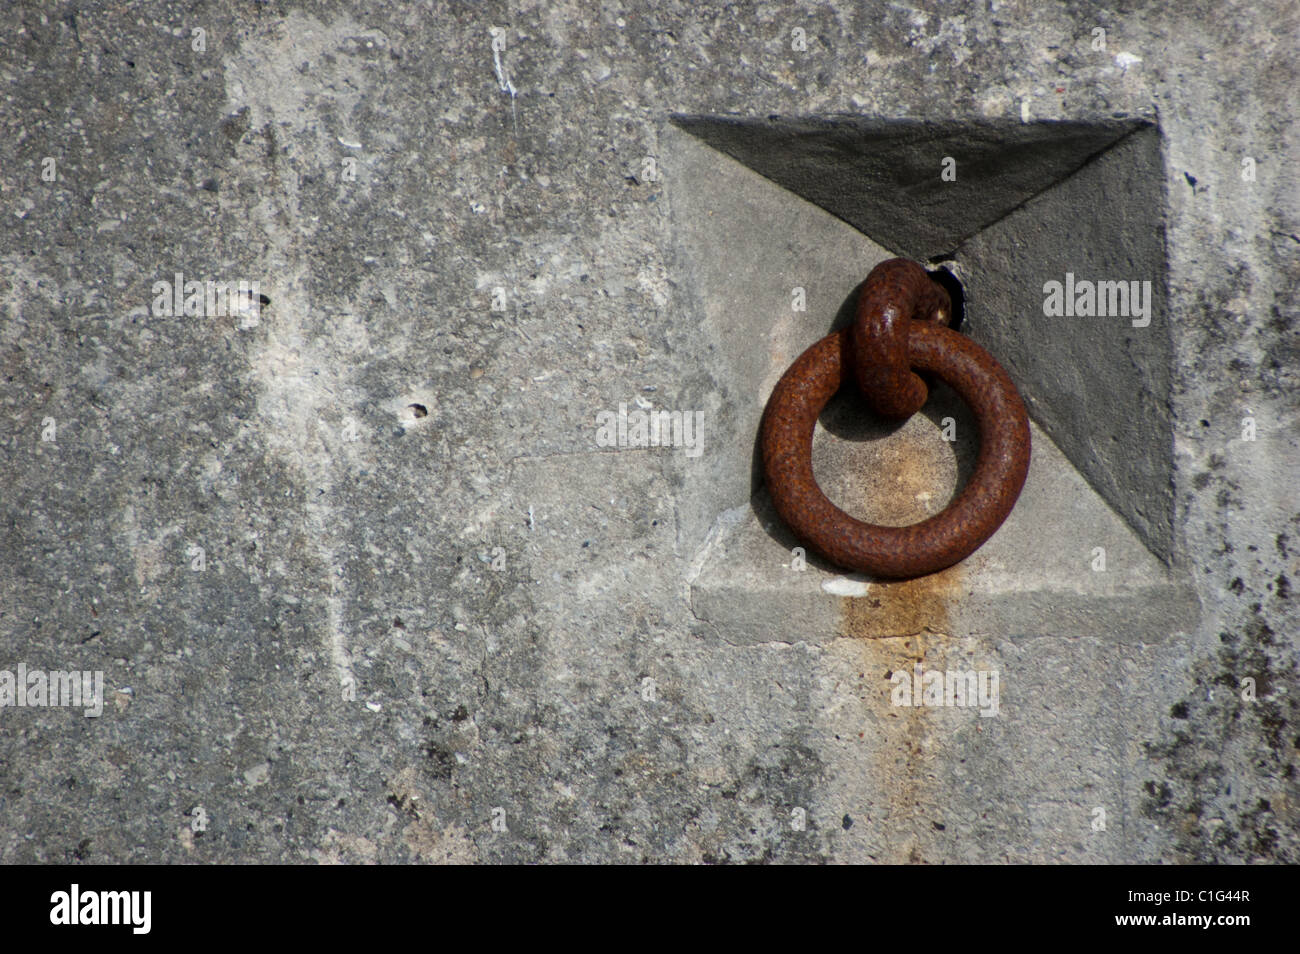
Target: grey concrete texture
{"x":365,"y":579}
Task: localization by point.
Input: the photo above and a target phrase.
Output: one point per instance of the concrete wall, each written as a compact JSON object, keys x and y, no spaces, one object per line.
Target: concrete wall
{"x":365,"y":583}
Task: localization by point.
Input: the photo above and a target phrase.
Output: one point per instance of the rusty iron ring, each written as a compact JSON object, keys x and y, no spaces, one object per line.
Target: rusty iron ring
{"x":969,"y":520}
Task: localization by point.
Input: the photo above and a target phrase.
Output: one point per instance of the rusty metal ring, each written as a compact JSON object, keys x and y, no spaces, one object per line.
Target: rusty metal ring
{"x":933,"y":544}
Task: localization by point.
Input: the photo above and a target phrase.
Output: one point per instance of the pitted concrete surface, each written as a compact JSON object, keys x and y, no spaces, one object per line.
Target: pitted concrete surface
{"x":382,"y":573}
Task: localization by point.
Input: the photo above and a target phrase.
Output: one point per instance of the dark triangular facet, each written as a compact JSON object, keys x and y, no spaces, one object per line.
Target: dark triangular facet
{"x":884,"y":177}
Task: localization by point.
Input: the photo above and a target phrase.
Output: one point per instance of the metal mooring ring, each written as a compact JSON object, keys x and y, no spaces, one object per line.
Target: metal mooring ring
{"x":901,"y":292}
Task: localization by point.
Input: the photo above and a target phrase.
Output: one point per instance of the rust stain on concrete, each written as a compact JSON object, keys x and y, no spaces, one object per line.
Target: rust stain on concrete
{"x":904,"y":758}
{"x":902,"y":607}
{"x":896,"y":482}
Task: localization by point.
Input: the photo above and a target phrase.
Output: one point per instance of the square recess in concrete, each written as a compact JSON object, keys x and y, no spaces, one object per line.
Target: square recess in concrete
{"x":764,"y":207}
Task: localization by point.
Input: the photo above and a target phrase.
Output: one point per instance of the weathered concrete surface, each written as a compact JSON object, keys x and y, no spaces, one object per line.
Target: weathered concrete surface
{"x":507,"y":599}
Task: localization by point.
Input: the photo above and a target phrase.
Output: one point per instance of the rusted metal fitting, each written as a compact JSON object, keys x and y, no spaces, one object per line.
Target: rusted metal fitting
{"x":900,"y":327}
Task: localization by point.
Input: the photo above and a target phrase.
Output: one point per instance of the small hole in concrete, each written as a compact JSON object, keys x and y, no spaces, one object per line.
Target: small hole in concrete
{"x":418,"y":410}
{"x":952,"y":285}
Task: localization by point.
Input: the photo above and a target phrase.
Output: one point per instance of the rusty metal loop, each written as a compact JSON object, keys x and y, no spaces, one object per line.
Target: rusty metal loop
{"x":897,"y":293}
{"x":906,"y":330}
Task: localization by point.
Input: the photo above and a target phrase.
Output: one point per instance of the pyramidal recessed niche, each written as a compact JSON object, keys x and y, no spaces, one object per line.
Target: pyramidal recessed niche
{"x":762,"y":206}
{"x":883,"y":177}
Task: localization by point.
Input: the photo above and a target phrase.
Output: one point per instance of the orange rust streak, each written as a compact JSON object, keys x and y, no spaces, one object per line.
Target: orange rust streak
{"x":902,"y":608}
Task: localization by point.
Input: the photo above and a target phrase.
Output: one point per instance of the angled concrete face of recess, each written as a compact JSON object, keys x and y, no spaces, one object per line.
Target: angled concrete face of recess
{"x":1096,"y":372}
{"x":883,"y":176}
{"x":1067,"y":561}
